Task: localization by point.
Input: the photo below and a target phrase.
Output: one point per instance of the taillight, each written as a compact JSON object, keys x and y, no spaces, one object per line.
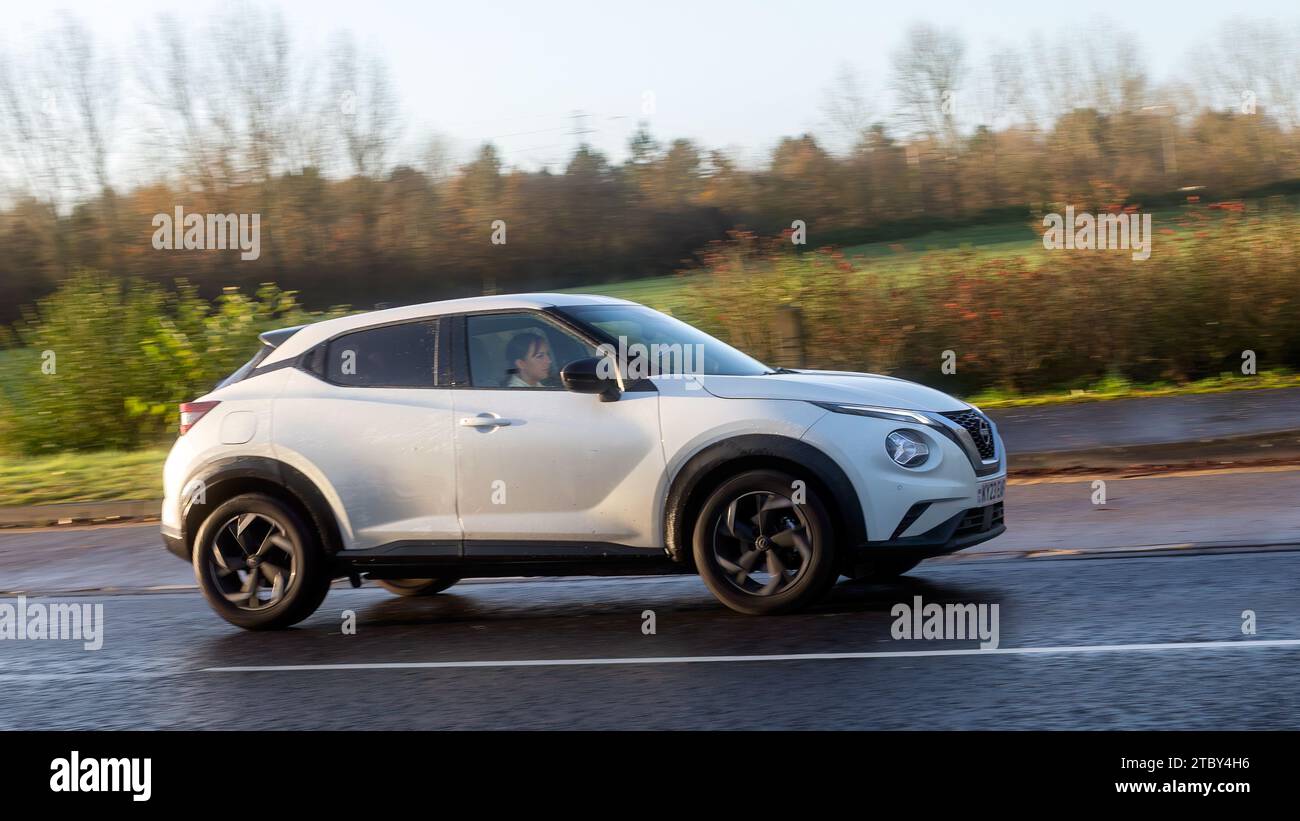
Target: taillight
{"x":192,"y":412}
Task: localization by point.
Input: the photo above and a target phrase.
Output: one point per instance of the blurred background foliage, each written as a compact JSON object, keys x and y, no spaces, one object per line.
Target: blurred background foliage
{"x":97,"y":141}
{"x":1023,"y":322}
{"x":965,"y":152}
{"x":125,"y":354}
{"x":129,"y":351}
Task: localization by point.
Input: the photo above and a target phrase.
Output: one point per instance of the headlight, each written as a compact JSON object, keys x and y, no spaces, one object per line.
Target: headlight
{"x":907,"y":448}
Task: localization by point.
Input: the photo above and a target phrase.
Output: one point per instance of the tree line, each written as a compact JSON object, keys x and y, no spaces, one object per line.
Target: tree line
{"x":310,"y":143}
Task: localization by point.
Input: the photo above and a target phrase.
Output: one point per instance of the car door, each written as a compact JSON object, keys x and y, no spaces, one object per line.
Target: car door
{"x":542,"y":470}
{"x":373,"y":429}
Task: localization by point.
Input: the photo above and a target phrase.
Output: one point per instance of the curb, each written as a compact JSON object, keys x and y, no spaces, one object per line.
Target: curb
{"x":1126,"y":552}
{"x":1276,"y":447}
{"x":74,"y":513}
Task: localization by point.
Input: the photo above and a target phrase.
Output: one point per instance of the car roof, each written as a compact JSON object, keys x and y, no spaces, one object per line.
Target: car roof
{"x":307,"y":336}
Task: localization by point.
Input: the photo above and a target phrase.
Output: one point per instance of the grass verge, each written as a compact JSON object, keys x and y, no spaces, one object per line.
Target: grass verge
{"x":81,"y":477}
{"x":1123,"y":389}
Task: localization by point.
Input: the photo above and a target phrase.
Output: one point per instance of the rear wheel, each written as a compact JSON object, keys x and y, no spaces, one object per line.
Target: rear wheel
{"x":758,"y":551}
{"x":259,"y":565}
{"x":417,"y":587}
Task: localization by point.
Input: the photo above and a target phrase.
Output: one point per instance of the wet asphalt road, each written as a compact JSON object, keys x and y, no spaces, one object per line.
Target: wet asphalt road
{"x":153,"y":670}
{"x":1238,"y":507}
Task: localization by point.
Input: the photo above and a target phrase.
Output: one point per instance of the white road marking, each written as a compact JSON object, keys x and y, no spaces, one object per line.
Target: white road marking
{"x":883,"y":654}
{"x":106,"y":675}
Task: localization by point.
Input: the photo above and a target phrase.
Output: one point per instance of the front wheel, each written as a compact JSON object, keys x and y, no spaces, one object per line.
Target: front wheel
{"x":759,"y":550}
{"x":259,"y":565}
{"x":417,"y":587}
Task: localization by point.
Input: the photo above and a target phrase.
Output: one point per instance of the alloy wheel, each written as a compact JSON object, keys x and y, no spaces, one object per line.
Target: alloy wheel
{"x":252,"y":561}
{"x":761,"y":543}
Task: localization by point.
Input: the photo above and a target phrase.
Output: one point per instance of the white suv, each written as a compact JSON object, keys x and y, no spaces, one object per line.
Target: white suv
{"x":541,"y":435}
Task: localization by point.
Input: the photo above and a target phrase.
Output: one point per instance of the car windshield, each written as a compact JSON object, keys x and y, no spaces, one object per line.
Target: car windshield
{"x":629,"y":325}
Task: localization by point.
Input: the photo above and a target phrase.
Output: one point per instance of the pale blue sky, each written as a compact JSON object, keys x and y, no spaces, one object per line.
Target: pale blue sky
{"x":727,"y":74}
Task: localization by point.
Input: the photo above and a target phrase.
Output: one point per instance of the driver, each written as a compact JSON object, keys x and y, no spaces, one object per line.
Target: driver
{"x":529,"y":355}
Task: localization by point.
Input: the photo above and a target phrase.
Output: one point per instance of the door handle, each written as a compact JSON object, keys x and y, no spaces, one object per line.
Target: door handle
{"x":484,"y":421}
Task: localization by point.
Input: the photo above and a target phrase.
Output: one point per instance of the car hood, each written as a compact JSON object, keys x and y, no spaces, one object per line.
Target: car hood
{"x":833,"y":386}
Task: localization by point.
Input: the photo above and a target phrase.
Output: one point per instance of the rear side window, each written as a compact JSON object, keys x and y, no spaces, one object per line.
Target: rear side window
{"x":392,"y":356}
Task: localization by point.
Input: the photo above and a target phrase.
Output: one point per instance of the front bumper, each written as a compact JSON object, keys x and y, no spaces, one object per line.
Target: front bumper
{"x":917,"y":509}
{"x":965,"y":529}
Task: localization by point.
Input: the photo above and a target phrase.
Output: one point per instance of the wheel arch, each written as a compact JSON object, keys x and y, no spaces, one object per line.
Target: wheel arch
{"x":715,"y":463}
{"x":227,"y":478}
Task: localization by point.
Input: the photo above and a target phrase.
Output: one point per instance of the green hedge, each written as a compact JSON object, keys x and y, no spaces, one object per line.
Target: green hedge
{"x":124,"y":355}
{"x":127,"y":353}
{"x":1213,"y":287}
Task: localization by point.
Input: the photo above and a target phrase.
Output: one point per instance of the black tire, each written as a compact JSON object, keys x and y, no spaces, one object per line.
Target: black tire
{"x":417,"y":587}
{"x":882,"y":570}
{"x":252,"y":544}
{"x":727,"y":537}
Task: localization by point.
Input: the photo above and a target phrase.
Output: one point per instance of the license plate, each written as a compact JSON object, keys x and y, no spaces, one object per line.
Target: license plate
{"x":990,"y":492}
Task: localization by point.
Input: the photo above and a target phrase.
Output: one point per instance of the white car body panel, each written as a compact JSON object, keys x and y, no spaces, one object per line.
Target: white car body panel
{"x":397,"y":465}
{"x":190,"y":453}
{"x":383,"y":456}
{"x":887,"y":490}
{"x":568,"y":467}
{"x":833,"y":386}
{"x":694,"y":418}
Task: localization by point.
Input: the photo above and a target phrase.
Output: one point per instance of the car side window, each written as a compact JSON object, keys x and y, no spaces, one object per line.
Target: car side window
{"x":519,"y":351}
{"x":390,"y":356}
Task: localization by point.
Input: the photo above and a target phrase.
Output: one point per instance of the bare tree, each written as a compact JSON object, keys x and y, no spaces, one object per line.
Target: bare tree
{"x":172,"y":76}
{"x":362,"y":106}
{"x":1000,"y":96}
{"x":928,"y":70}
{"x":1112,"y":69}
{"x":259,"y":121}
{"x":27,"y":114}
{"x":254,"y":58}
{"x":436,"y":158}
{"x":1098,"y":67}
{"x":847,"y":107}
{"x":1254,"y":65}
{"x":1050,"y":92}
{"x":90,"y":85}
{"x":58,"y":111}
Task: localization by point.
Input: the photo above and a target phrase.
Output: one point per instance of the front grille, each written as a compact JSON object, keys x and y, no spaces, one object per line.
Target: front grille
{"x":979,"y":429}
{"x":979,"y":519}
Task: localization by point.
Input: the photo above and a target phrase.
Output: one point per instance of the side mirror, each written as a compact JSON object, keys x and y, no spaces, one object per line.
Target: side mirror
{"x":588,"y":376}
